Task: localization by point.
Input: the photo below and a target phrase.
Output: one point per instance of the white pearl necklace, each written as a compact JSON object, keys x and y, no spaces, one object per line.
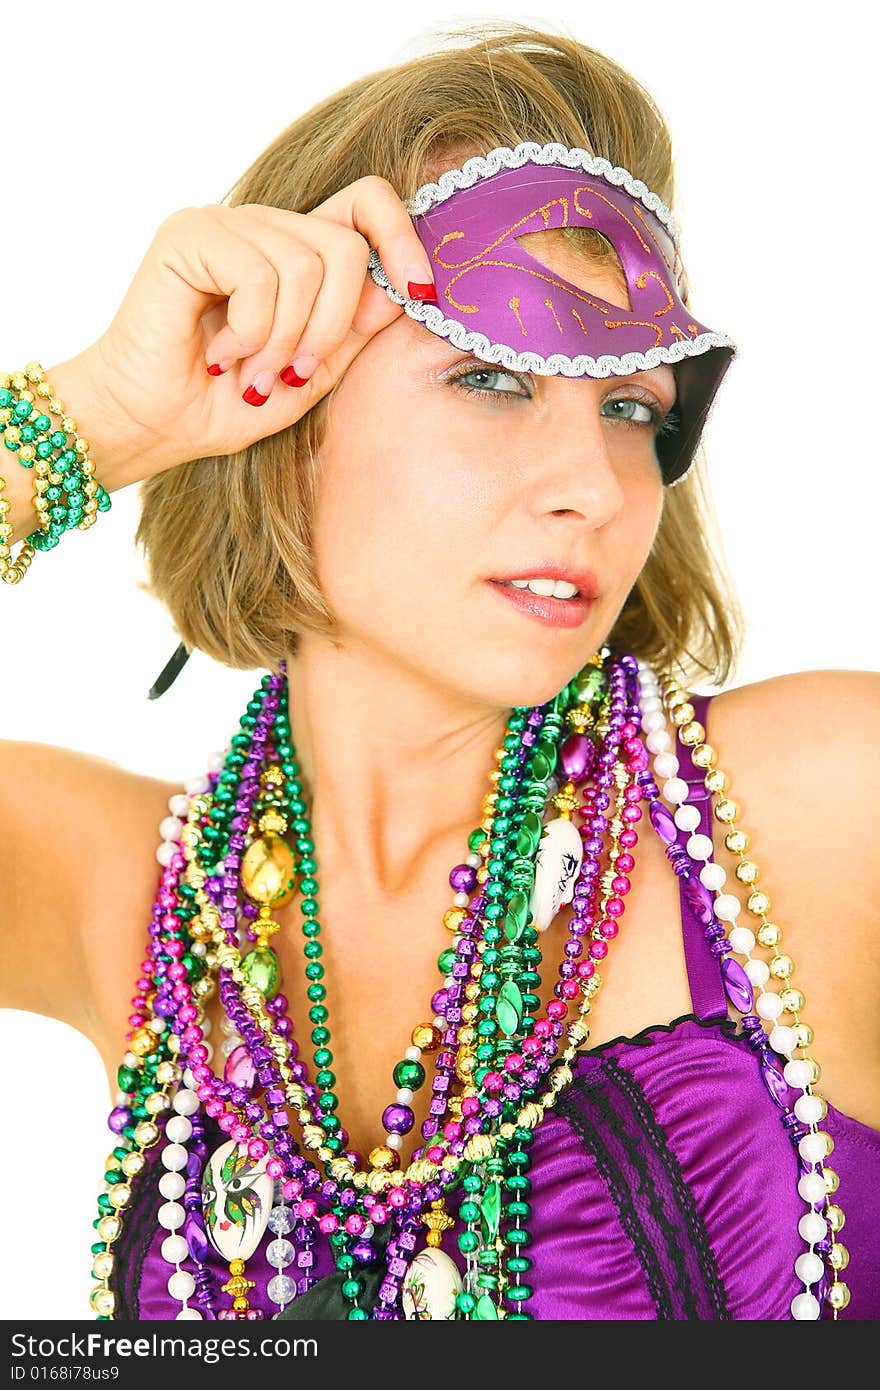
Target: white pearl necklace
{"x":172,"y":1185}
{"x":281,"y":1289}
{"x":178,"y":1130}
{"x":799,"y":1073}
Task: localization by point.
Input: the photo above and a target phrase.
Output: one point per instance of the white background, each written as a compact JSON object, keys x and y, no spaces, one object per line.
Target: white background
{"x":116,"y":115}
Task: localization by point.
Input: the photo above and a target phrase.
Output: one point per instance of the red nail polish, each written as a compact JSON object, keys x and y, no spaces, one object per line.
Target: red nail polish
{"x":215,"y":369}
{"x":253,"y":397}
{"x":289,"y":376}
{"x":416,"y":290}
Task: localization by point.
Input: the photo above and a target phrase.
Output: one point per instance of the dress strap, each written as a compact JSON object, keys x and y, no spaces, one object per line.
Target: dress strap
{"x":704,"y":973}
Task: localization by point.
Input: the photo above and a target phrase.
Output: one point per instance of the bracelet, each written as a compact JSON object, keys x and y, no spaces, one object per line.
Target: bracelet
{"x":66,"y":494}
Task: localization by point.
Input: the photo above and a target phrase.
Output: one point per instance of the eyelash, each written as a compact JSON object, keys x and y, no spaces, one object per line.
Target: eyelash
{"x":660,"y":423}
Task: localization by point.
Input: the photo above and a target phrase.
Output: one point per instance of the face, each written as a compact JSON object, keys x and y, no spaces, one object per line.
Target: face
{"x":440,"y":473}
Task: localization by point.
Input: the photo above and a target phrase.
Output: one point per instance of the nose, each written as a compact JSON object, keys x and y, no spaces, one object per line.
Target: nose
{"x":578,"y":475}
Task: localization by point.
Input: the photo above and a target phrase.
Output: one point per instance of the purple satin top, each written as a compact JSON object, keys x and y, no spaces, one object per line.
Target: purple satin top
{"x":663,"y":1184}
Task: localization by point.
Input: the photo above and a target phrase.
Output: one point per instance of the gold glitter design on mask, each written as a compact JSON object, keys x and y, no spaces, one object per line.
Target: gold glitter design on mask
{"x":555,"y":283}
{"x":670,"y":302}
{"x":543,"y":210}
{"x":594,"y":193}
{"x":660,"y":251}
{"x":674,"y":328}
{"x":549,"y":303}
{"x":483,"y":260}
{"x":636,"y":323}
{"x":513,"y":303}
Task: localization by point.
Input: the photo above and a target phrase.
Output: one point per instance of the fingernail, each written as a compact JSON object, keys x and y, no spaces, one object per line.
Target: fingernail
{"x":420,"y":289}
{"x":259,"y":390}
{"x":218,"y":368}
{"x":299,"y":370}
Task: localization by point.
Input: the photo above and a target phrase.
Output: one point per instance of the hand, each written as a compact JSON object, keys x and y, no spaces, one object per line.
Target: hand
{"x":257,"y":286}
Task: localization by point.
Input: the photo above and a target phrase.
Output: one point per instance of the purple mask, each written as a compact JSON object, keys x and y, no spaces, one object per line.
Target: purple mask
{"x":498,"y":302}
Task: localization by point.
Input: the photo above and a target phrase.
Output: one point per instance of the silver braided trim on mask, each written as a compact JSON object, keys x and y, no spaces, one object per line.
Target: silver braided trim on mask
{"x":530,"y":152}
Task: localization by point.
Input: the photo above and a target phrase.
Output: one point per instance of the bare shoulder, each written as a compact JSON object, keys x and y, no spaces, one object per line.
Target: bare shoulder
{"x":807,"y":740}
{"x":118,"y":892}
{"x":79,"y":879}
{"x":828,"y":700}
{"x":801,"y":759}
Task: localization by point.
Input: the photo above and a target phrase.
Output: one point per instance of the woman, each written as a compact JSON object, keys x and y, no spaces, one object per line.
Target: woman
{"x":356,"y":506}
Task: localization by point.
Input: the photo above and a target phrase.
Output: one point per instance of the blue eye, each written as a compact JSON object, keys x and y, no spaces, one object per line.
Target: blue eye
{"x":656,"y":420}
{"x":496,"y":397}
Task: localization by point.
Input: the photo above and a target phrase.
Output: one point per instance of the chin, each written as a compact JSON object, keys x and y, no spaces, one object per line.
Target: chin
{"x":525,"y":677}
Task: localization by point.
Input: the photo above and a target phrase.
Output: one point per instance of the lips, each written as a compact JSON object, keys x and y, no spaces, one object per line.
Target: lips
{"x":584,"y":580}
{"x":552,"y":612}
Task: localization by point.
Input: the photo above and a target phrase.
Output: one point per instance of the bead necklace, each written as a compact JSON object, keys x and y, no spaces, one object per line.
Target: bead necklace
{"x":188,"y":1033}
{"x":817,"y":1182}
{"x":476,"y":1140}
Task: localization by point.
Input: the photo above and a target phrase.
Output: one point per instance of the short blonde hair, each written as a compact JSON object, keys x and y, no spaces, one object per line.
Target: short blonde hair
{"x":228,"y":539}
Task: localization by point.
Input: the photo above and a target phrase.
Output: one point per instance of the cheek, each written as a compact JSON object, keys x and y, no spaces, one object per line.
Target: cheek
{"x":399,"y":512}
{"x":641,"y":516}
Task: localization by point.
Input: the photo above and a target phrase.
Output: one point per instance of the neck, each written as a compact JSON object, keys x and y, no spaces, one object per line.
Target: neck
{"x":393,"y":765}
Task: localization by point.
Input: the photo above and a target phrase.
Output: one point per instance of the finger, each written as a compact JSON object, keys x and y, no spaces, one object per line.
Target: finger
{"x":283,"y":408}
{"x":372,"y":207}
{"x":207,"y":255}
{"x":299,"y":277}
{"x":308,"y":324}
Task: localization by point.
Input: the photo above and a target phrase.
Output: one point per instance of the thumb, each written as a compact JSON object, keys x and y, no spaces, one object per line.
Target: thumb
{"x":375,"y":310}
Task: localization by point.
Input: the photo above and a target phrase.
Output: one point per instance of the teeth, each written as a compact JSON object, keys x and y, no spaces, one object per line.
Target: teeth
{"x":546,"y":588}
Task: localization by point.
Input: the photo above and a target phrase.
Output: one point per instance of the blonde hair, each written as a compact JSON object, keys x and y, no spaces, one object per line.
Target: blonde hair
{"x":228,"y":539}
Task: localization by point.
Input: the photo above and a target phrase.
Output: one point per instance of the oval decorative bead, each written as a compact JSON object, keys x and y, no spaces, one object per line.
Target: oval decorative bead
{"x":541,"y":767}
{"x":430,"y":1287}
{"x":196,"y":1239}
{"x":699,"y":899}
{"x":529,"y":835}
{"x":261,"y":968}
{"x":398,"y":1119}
{"x":485,"y":1310}
{"x":240,"y":1069}
{"x":662,"y":822}
{"x":558,"y":862}
{"x":590,"y":683}
{"x":513,"y":928}
{"x":490,"y":1208}
{"x":509,"y":1009}
{"x":267,"y":871}
{"x":547,"y":748}
{"x":737,"y":985}
{"x":518,"y":907}
{"x":577,"y":756}
{"x":775,"y":1082}
{"x":237,"y":1197}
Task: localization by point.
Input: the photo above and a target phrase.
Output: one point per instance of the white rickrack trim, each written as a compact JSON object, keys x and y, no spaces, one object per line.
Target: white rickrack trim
{"x":558,"y":363}
{"x":530,"y":152}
